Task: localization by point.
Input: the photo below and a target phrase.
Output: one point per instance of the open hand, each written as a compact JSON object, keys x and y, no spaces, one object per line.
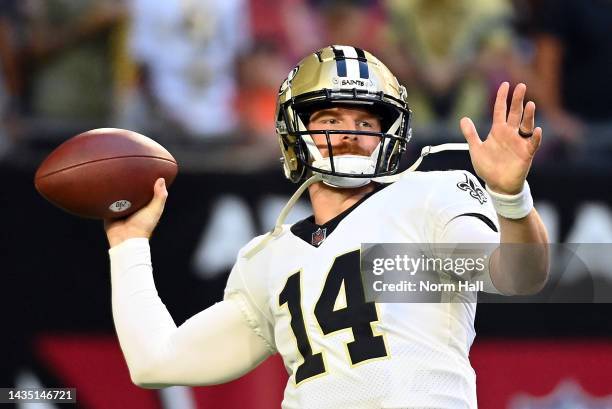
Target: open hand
{"x":504,"y":158}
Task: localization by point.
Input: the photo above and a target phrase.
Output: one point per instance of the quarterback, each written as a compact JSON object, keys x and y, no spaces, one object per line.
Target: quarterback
{"x":343,"y":123}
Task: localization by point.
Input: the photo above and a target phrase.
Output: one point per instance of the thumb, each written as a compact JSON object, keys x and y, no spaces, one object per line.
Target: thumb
{"x":142,"y":222}
{"x":160,"y":194}
{"x":469,"y":132}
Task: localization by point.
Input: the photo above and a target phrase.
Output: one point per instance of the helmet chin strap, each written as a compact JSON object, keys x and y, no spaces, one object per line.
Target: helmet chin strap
{"x":278,"y":226}
{"x":318,"y":177}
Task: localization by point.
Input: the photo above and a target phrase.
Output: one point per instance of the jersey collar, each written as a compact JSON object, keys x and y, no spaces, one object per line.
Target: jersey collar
{"x":315,"y":234}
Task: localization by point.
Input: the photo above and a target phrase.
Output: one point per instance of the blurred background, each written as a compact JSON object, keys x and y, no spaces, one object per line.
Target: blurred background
{"x":201,"y":77}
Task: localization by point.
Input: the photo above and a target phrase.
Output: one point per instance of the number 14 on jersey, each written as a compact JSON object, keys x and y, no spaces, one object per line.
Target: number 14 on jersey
{"x":357,"y":316}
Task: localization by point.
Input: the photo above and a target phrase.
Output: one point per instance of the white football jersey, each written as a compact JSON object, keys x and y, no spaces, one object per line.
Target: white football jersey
{"x":307,"y":303}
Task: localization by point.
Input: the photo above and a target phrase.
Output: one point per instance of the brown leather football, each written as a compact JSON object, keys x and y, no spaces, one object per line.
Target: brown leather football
{"x":104,"y":173}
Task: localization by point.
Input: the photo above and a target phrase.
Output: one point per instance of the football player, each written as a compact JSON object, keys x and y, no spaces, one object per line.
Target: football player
{"x":343,"y":122}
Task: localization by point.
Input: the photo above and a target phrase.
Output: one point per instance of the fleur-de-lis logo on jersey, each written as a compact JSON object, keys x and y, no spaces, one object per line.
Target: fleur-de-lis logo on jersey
{"x":475,"y":191}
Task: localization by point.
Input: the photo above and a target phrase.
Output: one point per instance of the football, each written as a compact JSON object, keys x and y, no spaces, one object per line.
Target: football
{"x":104,"y":173}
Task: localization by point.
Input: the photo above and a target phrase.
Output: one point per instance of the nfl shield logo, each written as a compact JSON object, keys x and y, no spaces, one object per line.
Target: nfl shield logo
{"x":318,"y":236}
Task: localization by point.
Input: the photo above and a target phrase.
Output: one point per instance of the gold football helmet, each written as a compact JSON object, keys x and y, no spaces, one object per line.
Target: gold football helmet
{"x":341,"y":75}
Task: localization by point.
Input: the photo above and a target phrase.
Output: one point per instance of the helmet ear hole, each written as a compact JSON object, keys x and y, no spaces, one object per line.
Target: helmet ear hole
{"x":292,"y":165}
{"x":285,"y":144}
{"x":394,"y":158}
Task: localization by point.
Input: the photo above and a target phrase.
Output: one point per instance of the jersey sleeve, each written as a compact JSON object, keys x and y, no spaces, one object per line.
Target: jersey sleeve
{"x":214,"y":346}
{"x":459,"y":194}
{"x":248,"y":289}
{"x":462,"y":213}
{"x":467,"y":230}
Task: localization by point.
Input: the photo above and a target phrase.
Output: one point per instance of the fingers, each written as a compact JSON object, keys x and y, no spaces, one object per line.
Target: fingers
{"x":160,"y":193}
{"x":536,"y":139}
{"x":160,"y":187}
{"x":528,"y":122}
{"x":516,"y":107}
{"x":469,"y":132}
{"x":499,"y":109}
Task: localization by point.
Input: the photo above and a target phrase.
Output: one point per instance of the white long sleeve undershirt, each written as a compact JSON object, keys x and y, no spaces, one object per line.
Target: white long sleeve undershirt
{"x":214,"y":346}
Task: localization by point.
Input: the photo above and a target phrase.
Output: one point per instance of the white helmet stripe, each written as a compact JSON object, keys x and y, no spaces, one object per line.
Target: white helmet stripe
{"x":352,"y":64}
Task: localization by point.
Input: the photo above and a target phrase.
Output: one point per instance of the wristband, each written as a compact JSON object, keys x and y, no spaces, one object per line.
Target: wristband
{"x":512,"y":206}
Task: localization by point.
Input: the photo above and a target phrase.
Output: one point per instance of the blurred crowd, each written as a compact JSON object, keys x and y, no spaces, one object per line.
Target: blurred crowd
{"x":204,"y":74}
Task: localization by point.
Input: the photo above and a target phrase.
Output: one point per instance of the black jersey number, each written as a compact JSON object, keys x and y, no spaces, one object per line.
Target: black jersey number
{"x":357,"y":316}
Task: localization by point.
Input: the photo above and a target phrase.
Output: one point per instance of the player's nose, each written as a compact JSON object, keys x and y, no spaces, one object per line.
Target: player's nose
{"x":351,"y":126}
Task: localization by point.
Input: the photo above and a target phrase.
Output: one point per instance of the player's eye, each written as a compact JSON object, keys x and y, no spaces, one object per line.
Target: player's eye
{"x":364,"y":124}
{"x":331,"y":121}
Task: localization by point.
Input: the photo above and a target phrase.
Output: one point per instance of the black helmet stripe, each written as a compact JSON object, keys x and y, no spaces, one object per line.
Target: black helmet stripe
{"x":340,"y":62}
{"x":364,"y":72}
{"x":356,"y":57}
